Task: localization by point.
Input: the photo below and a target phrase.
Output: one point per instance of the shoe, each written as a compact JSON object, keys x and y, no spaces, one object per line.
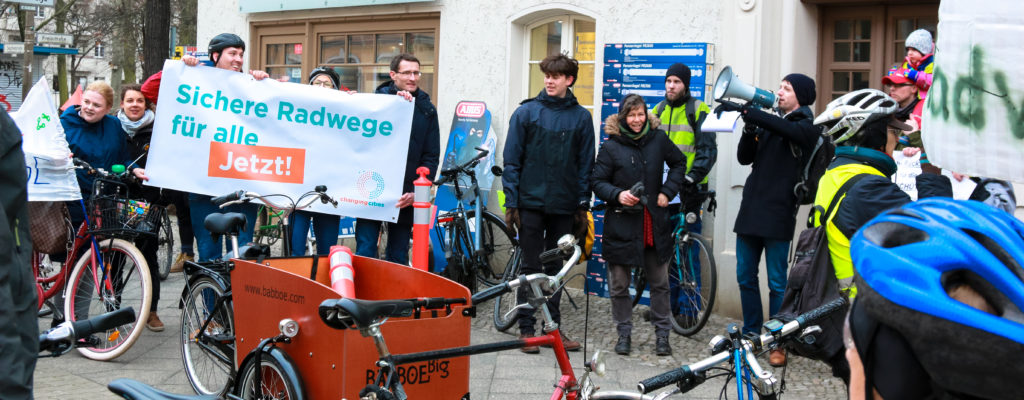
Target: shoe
{"x":179,"y":263}
{"x":623,"y":346}
{"x":569,"y":344}
{"x":777,"y":358}
{"x":154,"y":323}
{"x":661,"y":347}
{"x":528,"y":349}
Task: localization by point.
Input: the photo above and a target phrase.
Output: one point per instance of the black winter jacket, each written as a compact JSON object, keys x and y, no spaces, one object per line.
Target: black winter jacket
{"x":773,"y":144}
{"x":621,"y":163}
{"x":549,"y":154}
{"x":424,"y":142}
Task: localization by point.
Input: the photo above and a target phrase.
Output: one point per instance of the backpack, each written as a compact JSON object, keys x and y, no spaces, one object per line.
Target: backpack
{"x":812,"y":282}
{"x":691,"y":110}
{"x":815,"y":165}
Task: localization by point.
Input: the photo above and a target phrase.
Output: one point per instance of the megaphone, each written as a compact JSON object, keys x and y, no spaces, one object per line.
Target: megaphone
{"x":730,"y":86}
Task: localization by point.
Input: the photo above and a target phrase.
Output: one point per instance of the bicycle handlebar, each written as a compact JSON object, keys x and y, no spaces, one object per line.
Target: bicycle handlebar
{"x":63,"y":337}
{"x":786,"y":332}
{"x":233,"y":196}
{"x":449,"y":174}
{"x":242,"y":196}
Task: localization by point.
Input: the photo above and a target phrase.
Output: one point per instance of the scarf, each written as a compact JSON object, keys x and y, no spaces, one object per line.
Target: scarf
{"x":133,"y":126}
{"x":624,"y":129}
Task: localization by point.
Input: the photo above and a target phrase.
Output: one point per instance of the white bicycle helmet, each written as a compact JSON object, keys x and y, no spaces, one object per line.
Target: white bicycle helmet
{"x":844,"y":117}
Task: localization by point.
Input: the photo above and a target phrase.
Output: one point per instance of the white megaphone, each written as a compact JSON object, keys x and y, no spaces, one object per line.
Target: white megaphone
{"x":730,"y":86}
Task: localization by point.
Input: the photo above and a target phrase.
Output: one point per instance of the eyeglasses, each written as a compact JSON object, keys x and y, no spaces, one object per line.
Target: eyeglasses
{"x":409,"y":74}
{"x":326,"y":84}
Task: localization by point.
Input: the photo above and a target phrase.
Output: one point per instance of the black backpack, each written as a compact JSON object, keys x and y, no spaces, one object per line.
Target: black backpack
{"x":812,"y":283}
{"x":815,"y":164}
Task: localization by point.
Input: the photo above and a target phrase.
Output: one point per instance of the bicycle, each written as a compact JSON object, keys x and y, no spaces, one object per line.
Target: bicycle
{"x":268,"y":226}
{"x":112,"y":273}
{"x":59,"y":340}
{"x":477,"y":249}
{"x":693,"y":277}
{"x":207,"y":316}
{"x":165,"y":245}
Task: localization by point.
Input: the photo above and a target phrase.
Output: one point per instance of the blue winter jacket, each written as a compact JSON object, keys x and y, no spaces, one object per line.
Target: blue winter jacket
{"x":101,"y":144}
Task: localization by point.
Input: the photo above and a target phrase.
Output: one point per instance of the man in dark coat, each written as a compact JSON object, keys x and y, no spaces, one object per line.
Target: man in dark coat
{"x":549,"y":153}
{"x":774,"y":144}
{"x":424,"y":151}
{"x":19,"y":333}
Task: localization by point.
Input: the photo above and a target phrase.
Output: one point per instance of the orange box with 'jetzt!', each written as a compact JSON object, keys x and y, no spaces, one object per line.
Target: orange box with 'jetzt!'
{"x":257,"y":163}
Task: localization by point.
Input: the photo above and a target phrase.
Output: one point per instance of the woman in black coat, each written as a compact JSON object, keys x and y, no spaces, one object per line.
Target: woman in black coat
{"x":636,"y":229}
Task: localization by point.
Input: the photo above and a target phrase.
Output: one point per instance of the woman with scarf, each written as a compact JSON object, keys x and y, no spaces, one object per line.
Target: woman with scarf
{"x":636,"y":228}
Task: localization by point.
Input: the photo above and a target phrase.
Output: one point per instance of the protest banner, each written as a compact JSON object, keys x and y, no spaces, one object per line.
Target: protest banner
{"x":51,"y":175}
{"x":973,"y":116}
{"x":218,"y":131}
{"x":909,"y":167}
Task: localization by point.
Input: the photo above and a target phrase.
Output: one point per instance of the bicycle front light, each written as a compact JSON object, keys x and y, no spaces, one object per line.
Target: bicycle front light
{"x":597,"y":363}
{"x":288,"y":327}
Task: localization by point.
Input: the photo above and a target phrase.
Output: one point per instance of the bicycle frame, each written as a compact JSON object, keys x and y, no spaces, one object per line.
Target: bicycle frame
{"x":460,"y":217}
{"x":58,"y":283}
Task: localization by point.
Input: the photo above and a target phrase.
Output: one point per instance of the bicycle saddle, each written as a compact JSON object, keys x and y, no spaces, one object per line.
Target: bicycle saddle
{"x":132,"y":389}
{"x":227,"y":223}
{"x":355,"y":313}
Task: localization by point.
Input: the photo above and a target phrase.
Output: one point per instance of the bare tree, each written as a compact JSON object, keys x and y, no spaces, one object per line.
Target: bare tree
{"x":155,"y":35}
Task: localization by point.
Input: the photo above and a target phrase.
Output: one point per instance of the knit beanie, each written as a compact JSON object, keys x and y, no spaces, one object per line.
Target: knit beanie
{"x":335,"y":79}
{"x":921,"y":40}
{"x":681,"y":71}
{"x":803,"y":88}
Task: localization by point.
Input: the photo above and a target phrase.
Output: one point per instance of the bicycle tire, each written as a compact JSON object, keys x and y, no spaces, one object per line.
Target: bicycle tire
{"x":124,"y":263}
{"x":694,"y":296}
{"x":497,"y":245}
{"x":505,"y":302}
{"x":165,"y":241}
{"x":208,"y":373}
{"x":274,"y":382}
{"x":267,"y":230}
{"x":460,"y":266}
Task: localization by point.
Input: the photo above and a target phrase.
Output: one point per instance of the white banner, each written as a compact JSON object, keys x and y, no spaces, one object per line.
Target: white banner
{"x":218,"y":131}
{"x":972,"y":120}
{"x":51,"y":175}
{"x":908,"y":168}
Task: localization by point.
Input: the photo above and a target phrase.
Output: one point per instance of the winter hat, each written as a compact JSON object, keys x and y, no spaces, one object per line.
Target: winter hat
{"x":920,"y":40}
{"x":335,"y":79}
{"x":803,"y":87}
{"x":681,"y":71}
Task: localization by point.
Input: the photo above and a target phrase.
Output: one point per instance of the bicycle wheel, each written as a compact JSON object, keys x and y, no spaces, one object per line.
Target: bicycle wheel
{"x":165,"y":241}
{"x":268,"y":227}
{"x":122,"y":282}
{"x":694,"y":281}
{"x":460,"y":265}
{"x":497,"y":245}
{"x":639,"y":278}
{"x":503,"y":304}
{"x":209,"y":358}
{"x":274,"y":382}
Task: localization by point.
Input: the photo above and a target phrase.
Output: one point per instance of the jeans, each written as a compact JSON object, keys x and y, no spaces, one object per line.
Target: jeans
{"x":368,"y":233}
{"x":619,"y":278}
{"x":185,"y":232}
{"x":325,"y":229}
{"x":211,"y":248}
{"x":539,"y":231}
{"x":748,"y":257}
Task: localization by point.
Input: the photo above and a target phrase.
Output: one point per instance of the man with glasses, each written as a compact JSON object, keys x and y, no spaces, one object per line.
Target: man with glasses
{"x":424,"y":151}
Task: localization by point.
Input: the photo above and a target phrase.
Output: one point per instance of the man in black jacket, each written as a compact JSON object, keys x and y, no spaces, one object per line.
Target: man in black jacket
{"x":774,"y":145}
{"x":424,"y":151}
{"x":19,"y":333}
{"x":549,"y":152}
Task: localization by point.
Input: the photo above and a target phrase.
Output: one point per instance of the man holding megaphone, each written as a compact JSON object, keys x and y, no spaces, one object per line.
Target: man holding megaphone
{"x":773,"y":144}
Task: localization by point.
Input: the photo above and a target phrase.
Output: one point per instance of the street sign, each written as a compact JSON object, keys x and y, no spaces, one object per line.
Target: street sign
{"x":47,"y":3}
{"x":63,"y":39}
{"x":14,"y":48}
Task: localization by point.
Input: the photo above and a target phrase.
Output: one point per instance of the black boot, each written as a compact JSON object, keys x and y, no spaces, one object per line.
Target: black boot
{"x":623,"y":346}
{"x":661,"y":346}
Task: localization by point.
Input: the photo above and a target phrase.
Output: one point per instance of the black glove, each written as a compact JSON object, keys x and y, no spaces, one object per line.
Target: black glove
{"x":580,"y":225}
{"x":374,"y":392}
{"x":726,"y":105}
{"x":512,"y":219}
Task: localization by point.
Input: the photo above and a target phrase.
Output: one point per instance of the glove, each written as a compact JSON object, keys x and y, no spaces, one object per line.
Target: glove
{"x":726,"y":105}
{"x":374,"y":392}
{"x":911,"y":74}
{"x":580,"y":225}
{"x":512,"y":219}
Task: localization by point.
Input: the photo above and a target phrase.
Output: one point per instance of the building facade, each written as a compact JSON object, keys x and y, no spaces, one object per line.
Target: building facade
{"x":488,"y":50}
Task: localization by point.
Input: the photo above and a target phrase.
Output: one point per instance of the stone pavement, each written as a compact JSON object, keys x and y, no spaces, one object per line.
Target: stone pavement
{"x":155,"y":359}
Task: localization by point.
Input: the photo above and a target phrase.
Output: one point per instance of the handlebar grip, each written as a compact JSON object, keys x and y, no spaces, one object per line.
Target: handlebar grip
{"x":490,"y":293}
{"x":817,"y":313}
{"x":103,"y":322}
{"x":551,"y":256}
{"x":657,"y":382}
{"x":217,"y":201}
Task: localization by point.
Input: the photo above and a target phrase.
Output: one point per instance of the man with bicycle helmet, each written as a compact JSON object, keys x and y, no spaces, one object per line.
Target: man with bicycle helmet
{"x":940,"y":309}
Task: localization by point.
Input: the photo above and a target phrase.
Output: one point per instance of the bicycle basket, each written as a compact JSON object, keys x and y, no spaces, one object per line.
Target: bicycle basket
{"x":114,"y":216}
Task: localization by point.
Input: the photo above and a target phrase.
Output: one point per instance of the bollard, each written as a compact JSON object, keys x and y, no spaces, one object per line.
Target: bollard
{"x":342,"y":272}
{"x":421,"y":219}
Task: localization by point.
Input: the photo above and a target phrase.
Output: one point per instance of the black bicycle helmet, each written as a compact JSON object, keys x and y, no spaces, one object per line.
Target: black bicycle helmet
{"x":223,"y":41}
{"x":911,"y":263}
{"x":326,"y":71}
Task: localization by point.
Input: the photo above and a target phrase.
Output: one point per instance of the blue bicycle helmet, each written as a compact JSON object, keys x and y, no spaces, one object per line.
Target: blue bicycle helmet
{"x":908,"y":261}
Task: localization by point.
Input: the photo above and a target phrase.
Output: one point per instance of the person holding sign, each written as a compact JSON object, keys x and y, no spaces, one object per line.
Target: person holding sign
{"x":227,"y":52}
{"x":424,"y":151}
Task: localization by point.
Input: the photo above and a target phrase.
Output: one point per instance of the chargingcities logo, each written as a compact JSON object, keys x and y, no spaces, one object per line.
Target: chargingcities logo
{"x":370,"y":184}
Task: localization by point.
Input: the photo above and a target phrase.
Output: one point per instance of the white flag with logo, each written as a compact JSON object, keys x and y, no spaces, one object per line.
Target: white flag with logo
{"x":51,"y":173}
